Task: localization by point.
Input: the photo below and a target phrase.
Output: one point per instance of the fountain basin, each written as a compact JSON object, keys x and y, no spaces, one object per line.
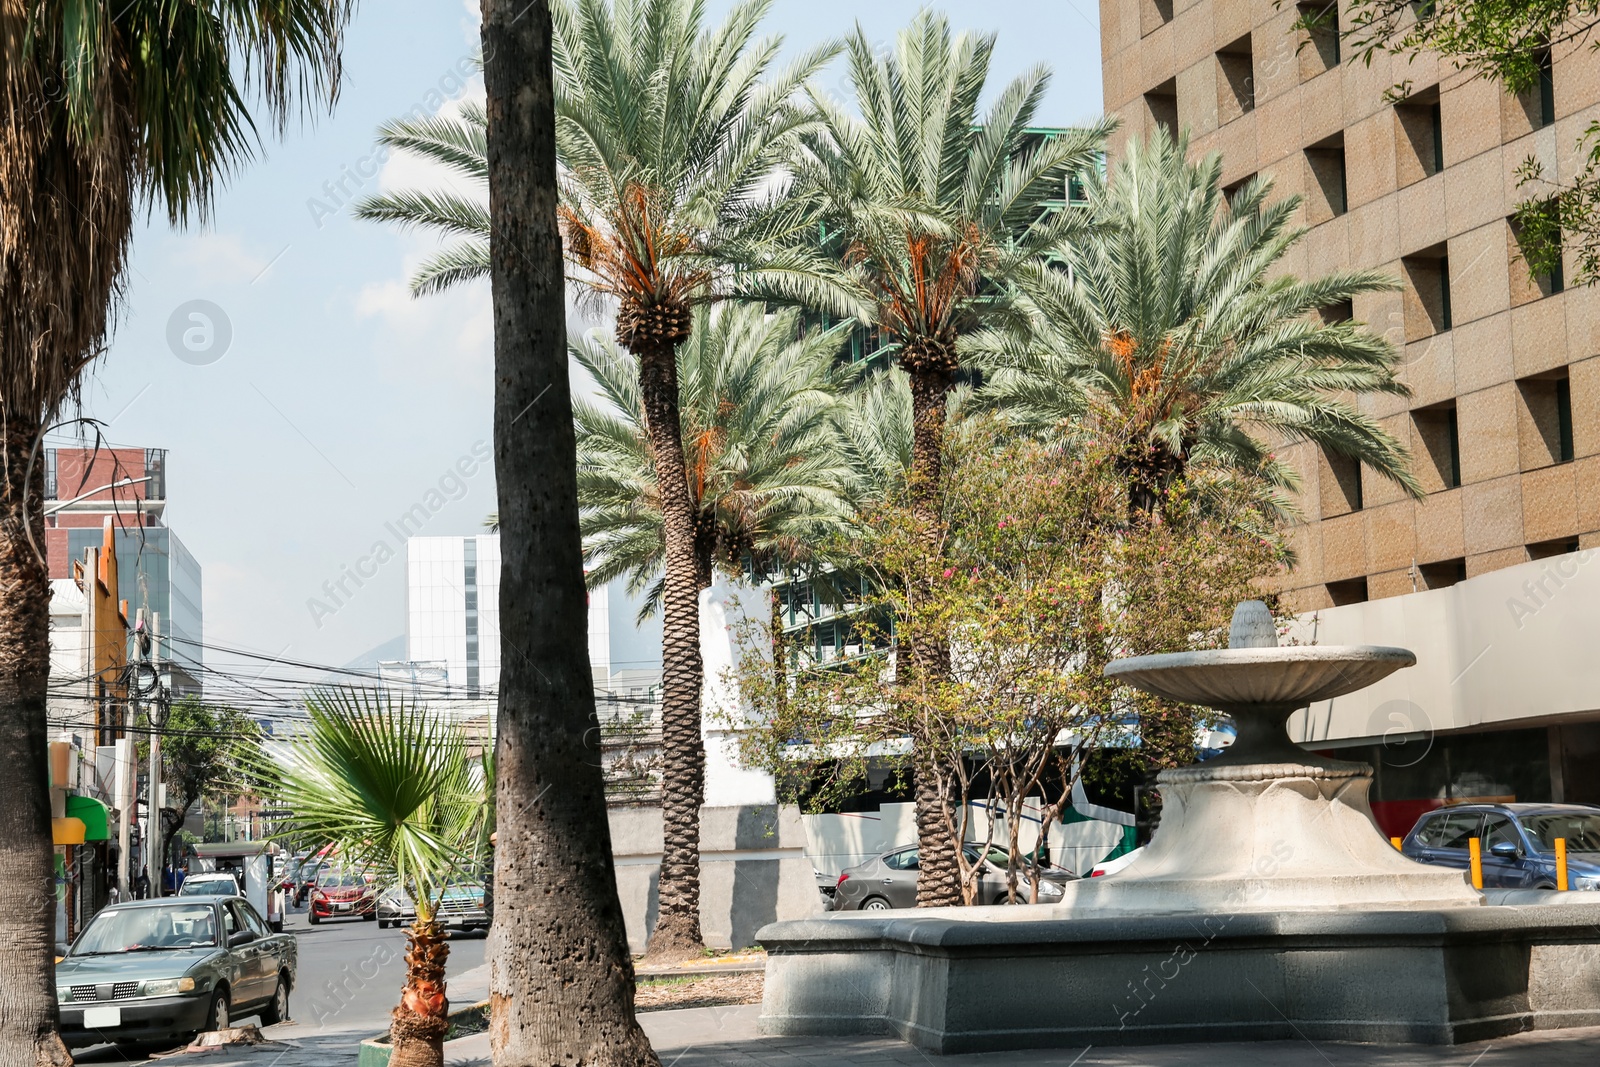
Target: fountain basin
{"x":983,"y":979}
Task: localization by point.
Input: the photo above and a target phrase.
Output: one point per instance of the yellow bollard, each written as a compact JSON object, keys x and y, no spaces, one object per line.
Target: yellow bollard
{"x":1476,"y":847}
{"x":1561,"y":863}
{"x":1396,"y":842}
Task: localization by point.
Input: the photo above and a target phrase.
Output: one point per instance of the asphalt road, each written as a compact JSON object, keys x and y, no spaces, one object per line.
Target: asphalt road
{"x":347,"y":982}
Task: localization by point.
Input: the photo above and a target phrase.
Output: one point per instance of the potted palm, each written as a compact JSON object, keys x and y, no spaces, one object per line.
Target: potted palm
{"x":394,"y":790}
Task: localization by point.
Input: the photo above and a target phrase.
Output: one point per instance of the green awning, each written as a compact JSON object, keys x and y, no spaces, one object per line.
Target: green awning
{"x":95,"y":815}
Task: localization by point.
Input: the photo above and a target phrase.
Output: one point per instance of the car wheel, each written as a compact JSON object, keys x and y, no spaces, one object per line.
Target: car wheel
{"x":217,"y":1017}
{"x":875,"y":904}
{"x":277,"y":1009}
{"x":369,"y":916}
{"x":311,"y":918}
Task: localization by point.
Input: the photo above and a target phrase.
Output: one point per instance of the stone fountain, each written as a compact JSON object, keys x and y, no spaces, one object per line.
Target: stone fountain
{"x":1266,"y":906}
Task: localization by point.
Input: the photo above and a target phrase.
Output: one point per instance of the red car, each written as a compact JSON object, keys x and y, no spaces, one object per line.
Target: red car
{"x":342,"y":895}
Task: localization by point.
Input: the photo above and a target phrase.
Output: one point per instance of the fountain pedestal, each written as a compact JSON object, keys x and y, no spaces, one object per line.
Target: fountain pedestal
{"x":1266,"y":906}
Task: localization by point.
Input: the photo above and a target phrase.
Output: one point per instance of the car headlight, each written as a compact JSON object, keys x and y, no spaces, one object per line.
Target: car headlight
{"x":166,"y":987}
{"x":1585,"y":882}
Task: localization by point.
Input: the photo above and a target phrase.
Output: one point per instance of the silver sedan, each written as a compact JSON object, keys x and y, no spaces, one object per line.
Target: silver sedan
{"x":890,"y":881}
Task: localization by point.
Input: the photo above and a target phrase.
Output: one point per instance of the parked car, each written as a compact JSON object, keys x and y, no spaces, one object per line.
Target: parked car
{"x":461,"y":906}
{"x":890,"y":881}
{"x":1112,"y":866}
{"x":342,"y":894}
{"x":210,"y":884}
{"x":163,"y":969}
{"x":1518,"y":842}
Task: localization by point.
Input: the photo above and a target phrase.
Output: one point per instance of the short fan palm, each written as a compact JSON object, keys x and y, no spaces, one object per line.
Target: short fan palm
{"x":1173,"y":337}
{"x":395,"y":792}
{"x":768,"y":475}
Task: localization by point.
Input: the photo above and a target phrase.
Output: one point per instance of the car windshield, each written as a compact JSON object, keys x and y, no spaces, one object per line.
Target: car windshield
{"x":334,"y":879}
{"x":1580,"y":828}
{"x":197,"y":887}
{"x":148,"y":930}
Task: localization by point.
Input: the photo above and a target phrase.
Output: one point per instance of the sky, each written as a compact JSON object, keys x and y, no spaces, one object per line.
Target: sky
{"x":313,"y":401}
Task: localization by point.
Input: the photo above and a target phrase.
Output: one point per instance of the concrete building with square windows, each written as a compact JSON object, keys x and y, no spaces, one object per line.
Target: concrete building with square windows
{"x":1488,"y":577}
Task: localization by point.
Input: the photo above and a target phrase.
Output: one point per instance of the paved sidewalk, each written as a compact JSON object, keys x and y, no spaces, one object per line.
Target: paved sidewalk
{"x":713,"y":1037}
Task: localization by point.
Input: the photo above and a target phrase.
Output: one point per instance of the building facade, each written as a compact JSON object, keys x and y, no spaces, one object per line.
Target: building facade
{"x":1504,"y":417}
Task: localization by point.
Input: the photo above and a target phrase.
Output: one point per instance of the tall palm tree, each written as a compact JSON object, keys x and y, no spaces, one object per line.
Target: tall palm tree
{"x":1174,"y":337}
{"x":936,"y":206}
{"x":561,"y":979}
{"x":393,"y":789}
{"x":767,"y":471}
{"x":107,"y":109}
{"x":671,"y":148}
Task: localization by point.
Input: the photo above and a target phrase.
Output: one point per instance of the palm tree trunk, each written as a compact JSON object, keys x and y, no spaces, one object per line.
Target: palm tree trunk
{"x":421,"y":1018}
{"x":28,"y":1013}
{"x":939,"y":871}
{"x":561,"y":980}
{"x":683,"y":753}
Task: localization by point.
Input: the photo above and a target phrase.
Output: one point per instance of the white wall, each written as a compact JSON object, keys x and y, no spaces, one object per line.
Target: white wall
{"x":1514,"y":647}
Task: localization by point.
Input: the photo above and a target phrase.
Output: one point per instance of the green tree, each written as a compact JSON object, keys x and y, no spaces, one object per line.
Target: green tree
{"x":671,"y":146}
{"x":561,"y":980}
{"x":108,"y":110}
{"x":1174,"y":337}
{"x":1045,"y":580}
{"x":206,"y":749}
{"x":1511,"y":42}
{"x":393,"y":789}
{"x":767,"y":471}
{"x":934,"y":206}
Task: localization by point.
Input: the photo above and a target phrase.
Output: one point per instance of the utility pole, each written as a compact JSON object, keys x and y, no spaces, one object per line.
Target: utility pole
{"x":147,"y":691}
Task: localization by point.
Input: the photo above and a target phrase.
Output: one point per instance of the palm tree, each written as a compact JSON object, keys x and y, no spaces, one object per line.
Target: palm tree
{"x":1174,"y":339}
{"x":395,"y":792}
{"x":936,"y":207}
{"x":107,"y":109}
{"x":670,"y":147}
{"x":561,"y":979}
{"x":768,"y":474}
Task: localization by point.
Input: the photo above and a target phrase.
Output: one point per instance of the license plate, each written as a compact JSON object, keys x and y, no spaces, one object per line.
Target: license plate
{"x":341,"y":907}
{"x":102,"y":1018}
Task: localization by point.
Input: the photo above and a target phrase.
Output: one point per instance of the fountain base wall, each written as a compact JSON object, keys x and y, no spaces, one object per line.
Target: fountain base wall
{"x":977,"y":979}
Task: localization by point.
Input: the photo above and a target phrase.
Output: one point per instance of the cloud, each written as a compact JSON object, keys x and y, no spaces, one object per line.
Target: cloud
{"x":221,"y":259}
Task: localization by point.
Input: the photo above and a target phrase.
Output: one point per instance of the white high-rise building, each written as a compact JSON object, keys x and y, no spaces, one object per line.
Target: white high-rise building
{"x":453,"y":618}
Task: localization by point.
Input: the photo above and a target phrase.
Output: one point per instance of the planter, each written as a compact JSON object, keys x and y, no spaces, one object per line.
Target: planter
{"x":375,"y":1051}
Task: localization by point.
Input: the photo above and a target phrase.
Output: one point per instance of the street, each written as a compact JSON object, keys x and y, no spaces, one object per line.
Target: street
{"x":348,"y":980}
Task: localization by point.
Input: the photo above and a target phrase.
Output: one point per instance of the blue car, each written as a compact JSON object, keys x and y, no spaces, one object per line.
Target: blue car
{"x":1517,"y":842}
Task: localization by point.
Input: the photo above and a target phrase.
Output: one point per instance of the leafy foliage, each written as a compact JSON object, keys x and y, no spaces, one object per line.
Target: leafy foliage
{"x":1041,"y":580}
{"x":207,"y":750}
{"x":1173,"y":339}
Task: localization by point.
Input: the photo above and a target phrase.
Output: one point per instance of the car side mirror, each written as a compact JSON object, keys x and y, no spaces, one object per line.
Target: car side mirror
{"x":1505,"y":849}
{"x":240,"y":937}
